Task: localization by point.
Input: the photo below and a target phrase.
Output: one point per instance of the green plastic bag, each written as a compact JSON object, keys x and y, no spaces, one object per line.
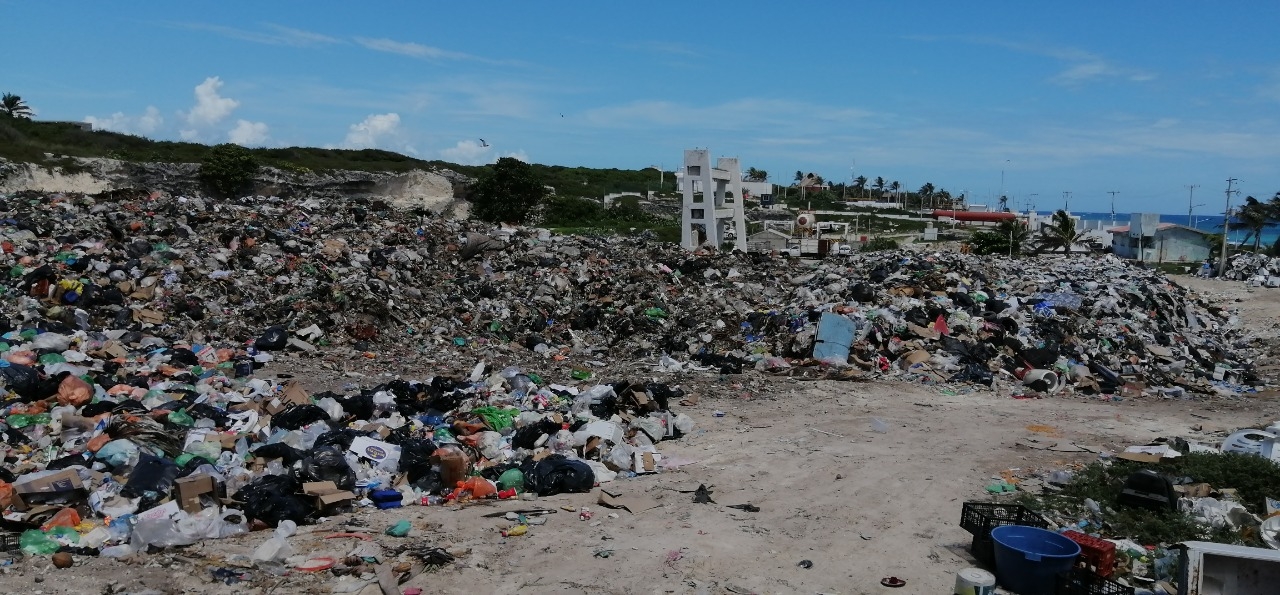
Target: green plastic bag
{"x":511,"y":478}
{"x":23,"y":420}
{"x":181,"y":418}
{"x":655,"y":313}
{"x":34,"y":541}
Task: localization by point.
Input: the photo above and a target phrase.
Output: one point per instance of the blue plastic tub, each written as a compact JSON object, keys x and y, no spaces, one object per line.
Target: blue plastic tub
{"x":1029,"y":559}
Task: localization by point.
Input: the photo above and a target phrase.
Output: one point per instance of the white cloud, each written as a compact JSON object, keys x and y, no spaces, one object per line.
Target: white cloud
{"x":248,"y":133}
{"x":467,"y":152}
{"x":521,"y":155}
{"x":210,"y":107}
{"x":408,"y":48}
{"x":1081,"y":66}
{"x":273,"y":35}
{"x":147,"y":123}
{"x":189,"y":135}
{"x":375,"y":129}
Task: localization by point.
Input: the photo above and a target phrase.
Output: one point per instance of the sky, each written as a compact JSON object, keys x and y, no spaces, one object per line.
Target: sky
{"x":1031,"y":99}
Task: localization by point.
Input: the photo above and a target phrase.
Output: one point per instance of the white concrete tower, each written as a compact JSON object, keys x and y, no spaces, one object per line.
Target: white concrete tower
{"x":712,"y":202}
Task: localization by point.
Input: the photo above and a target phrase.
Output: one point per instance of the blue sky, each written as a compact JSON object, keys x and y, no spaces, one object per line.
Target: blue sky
{"x":1143,"y":98}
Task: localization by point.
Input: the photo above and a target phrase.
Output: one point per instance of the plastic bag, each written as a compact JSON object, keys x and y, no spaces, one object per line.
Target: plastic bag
{"x":298,"y":416}
{"x":273,"y":339}
{"x":161,"y":532}
{"x":277,"y":548}
{"x":272,"y":499}
{"x":152,"y":480}
{"x":557,"y":475}
{"x":34,"y":541}
{"x":328,"y":463}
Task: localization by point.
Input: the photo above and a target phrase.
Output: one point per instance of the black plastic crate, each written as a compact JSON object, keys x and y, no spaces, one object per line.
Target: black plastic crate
{"x":1082,"y":582}
{"x":10,"y":544}
{"x":980,"y":518}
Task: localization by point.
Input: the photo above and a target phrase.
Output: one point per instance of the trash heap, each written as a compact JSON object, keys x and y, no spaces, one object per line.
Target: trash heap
{"x":1259,"y":270}
{"x":363,"y":278}
{"x":116,"y":443}
{"x":1096,"y":326}
{"x":134,"y":332}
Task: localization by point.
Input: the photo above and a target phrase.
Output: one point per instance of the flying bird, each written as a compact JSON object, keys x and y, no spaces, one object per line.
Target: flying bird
{"x":483,"y":144}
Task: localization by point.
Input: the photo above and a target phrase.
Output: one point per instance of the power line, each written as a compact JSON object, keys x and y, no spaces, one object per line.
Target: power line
{"x":1191,"y":207}
{"x":1226,"y":228}
{"x":1113,"y":194}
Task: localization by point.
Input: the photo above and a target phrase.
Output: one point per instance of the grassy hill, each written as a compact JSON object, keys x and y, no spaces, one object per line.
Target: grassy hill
{"x":28,"y":141}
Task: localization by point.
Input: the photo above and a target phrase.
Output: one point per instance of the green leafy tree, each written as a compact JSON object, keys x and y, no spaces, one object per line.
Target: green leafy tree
{"x":228,"y":169}
{"x":879,"y":243}
{"x":860,"y":184}
{"x":926,"y":193}
{"x":879,"y":186}
{"x":12,"y":105}
{"x":571,"y":210}
{"x":1007,"y":237}
{"x":1061,"y":233}
{"x":510,"y":192}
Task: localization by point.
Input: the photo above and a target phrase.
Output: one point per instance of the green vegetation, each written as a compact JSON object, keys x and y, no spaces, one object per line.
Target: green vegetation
{"x":14,"y":107}
{"x":1253,"y":477}
{"x":1007,"y":238}
{"x":228,"y":170}
{"x":1062,"y":234}
{"x":878,"y":243}
{"x":510,"y":192}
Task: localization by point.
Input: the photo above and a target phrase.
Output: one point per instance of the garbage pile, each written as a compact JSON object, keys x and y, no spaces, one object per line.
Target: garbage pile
{"x":134,"y":332}
{"x":1096,"y":326}
{"x":116,"y":444}
{"x":1259,"y":270}
{"x":365,"y":278}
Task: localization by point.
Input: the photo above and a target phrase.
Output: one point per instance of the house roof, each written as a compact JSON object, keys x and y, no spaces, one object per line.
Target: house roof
{"x":1161,"y":227}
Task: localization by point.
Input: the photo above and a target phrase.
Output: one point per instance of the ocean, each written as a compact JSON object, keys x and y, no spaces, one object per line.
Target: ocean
{"x":1210,"y":223}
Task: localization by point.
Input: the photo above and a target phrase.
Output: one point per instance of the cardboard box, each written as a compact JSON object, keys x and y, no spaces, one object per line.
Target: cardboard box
{"x":375,"y":450}
{"x":326,"y":493}
{"x":190,"y":489}
{"x":64,"y":485}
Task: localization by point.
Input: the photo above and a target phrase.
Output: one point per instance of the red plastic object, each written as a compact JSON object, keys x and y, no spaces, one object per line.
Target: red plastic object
{"x":507,"y":494}
{"x":1098,"y":555}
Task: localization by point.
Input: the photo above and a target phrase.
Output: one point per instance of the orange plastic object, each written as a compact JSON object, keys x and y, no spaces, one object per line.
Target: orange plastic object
{"x":97,"y":442}
{"x":6,"y":494}
{"x":67,"y":517}
{"x":73,"y":390}
{"x":478,"y":487}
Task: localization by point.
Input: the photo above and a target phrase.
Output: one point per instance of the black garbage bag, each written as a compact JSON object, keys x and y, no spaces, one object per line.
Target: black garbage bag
{"x":415,"y":457}
{"x":21,"y":379}
{"x":973,"y":373}
{"x":67,"y":461}
{"x":280,"y":450}
{"x":297,"y":416}
{"x":557,"y":475}
{"x":357,"y":406}
{"x":1039,"y":358}
{"x":274,"y":498}
{"x":273,"y":339}
{"x":527,"y":436}
{"x":328,"y":464}
{"x":152,"y":480}
{"x":862,"y":292}
{"x":341,"y":438}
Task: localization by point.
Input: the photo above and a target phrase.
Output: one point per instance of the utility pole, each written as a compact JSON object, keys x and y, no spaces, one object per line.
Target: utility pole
{"x":1066,"y":201}
{"x":1191,"y":207}
{"x":1226,"y":226}
{"x":1113,"y":194}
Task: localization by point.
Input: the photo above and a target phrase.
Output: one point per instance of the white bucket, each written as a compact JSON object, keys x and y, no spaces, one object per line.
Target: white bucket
{"x":975,"y":581}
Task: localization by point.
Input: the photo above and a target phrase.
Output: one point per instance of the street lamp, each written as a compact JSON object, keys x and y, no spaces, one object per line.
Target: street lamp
{"x":661,"y":175}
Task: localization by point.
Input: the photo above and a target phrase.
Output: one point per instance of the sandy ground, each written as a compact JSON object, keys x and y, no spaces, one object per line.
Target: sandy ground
{"x":859,"y":504}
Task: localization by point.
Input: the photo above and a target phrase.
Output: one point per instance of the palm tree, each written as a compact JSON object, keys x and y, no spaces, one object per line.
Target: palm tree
{"x":926,"y":193}
{"x":756,"y":175}
{"x":12,"y":105}
{"x":944,"y":198}
{"x":860,"y":184}
{"x":1253,"y":216}
{"x":799,"y":175}
{"x":1062,"y":234}
{"x":879,"y":186}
